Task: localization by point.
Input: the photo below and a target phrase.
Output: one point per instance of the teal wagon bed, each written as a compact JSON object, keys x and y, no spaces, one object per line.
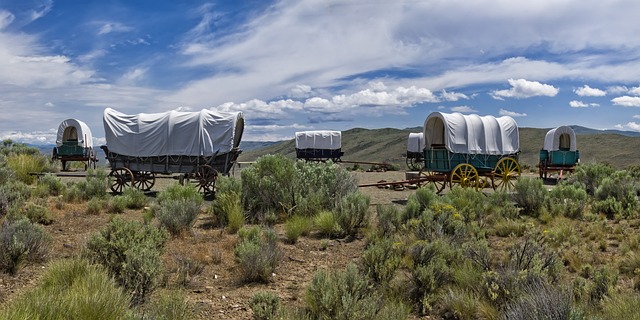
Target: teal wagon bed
{"x":471,"y":151}
{"x":197,"y":146}
{"x":559,"y":153}
{"x":74,"y":142}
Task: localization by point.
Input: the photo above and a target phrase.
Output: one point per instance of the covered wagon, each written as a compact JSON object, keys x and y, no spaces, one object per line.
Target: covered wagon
{"x":559,"y":152}
{"x":74,"y":142}
{"x":319,"y":145}
{"x":197,"y":145}
{"x":470,"y":151}
{"x":415,"y":149}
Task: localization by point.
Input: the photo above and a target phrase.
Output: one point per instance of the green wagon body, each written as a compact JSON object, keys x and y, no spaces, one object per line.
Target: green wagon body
{"x":559,"y":157}
{"x":443,"y":161}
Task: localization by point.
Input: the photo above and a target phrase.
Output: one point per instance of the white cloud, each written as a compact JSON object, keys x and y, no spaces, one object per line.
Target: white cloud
{"x":617,"y":89}
{"x":6,"y":18}
{"x":629,"y":126}
{"x":463,"y":109}
{"x":133,"y":76}
{"x":521,"y":88}
{"x":41,"y":11}
{"x":504,"y":112}
{"x":453,"y":96}
{"x":637,"y":116}
{"x":577,"y":104}
{"x":259,"y":109}
{"x":49,"y":104}
{"x":300,"y":91}
{"x":111,"y":27}
{"x":635,"y":91}
{"x":626,"y":101}
{"x":587,"y":91}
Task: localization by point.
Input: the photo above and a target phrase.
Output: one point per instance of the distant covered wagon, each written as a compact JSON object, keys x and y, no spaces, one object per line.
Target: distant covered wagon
{"x":415,"y":151}
{"x":319,"y":145}
{"x":471,"y":151}
{"x":74,"y":142}
{"x":197,"y":145}
{"x":559,"y":152}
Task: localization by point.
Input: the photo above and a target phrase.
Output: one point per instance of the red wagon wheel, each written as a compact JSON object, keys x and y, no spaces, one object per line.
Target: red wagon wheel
{"x":120,"y":178}
{"x":144,"y":180}
{"x":439,"y":180}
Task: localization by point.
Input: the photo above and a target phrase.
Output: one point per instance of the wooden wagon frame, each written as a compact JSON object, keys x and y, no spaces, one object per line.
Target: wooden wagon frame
{"x":559,"y":153}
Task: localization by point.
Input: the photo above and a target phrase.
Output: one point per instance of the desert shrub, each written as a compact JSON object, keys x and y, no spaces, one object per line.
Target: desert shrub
{"x":73,"y":193}
{"x":438,"y":220}
{"x":13,"y":195}
{"x":134,"y":198}
{"x":604,"y":282}
{"x":95,"y":184}
{"x":325,"y":223}
{"x":227,"y":211}
{"x":621,"y":307}
{"x":630,"y":263}
{"x":567,"y":200}
{"x":390,"y":219}
{"x":352,"y":213}
{"x":71,"y":289}
{"x":345,"y":294}
{"x":130,"y":251}
{"x":22,"y":241}
{"x":265,"y":305}
{"x":297,"y":226}
{"x":508,"y":227}
{"x":590,"y":176}
{"x":51,"y":185}
{"x":380,"y":260}
{"x":616,"y":195}
{"x":464,"y":304}
{"x":268,"y":185}
{"x":24,"y":164}
{"x":186,"y":268}
{"x":320,"y":186}
{"x":177,"y":191}
{"x":530,"y":195}
{"x":540,"y":301}
{"x":168,"y":305}
{"x":116,"y":204}
{"x":422,"y":199}
{"x":469,"y":203}
{"x":533,"y":257}
{"x":95,"y":205}
{"x":37,"y":213}
{"x":257,"y":253}
{"x":177,"y":215}
{"x":227,"y":184}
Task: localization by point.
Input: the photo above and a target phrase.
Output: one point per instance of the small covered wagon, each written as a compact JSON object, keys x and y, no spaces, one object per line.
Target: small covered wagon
{"x":197,"y":145}
{"x":470,"y":151}
{"x":319,"y":145}
{"x":415,"y":148}
{"x":559,"y":153}
{"x":74,"y":142}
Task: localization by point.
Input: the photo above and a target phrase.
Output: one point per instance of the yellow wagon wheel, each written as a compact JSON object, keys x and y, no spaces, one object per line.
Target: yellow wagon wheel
{"x":465,"y":175}
{"x":506,"y":173}
{"x":439,"y":180}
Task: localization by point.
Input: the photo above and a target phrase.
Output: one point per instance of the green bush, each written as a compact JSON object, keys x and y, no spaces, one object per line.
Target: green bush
{"x":320,"y":186}
{"x":590,"y":176}
{"x":423,"y":198}
{"x":95,"y":205}
{"x":325,"y":223}
{"x":37,"y":213}
{"x":177,"y":215}
{"x":71,"y":289}
{"x":116,"y":204}
{"x":177,"y":191}
{"x":25,"y":164}
{"x":621,"y":187}
{"x":135,"y":198}
{"x":604,"y":282}
{"x":131,"y":252}
{"x":52,"y":184}
{"x":380,"y":260}
{"x":567,"y":200}
{"x":508,"y":227}
{"x":257,"y":253}
{"x":389,"y":219}
{"x":269,"y":186}
{"x":352,"y":213}
{"x":530,"y":195}
{"x":265,"y":305}
{"x":168,"y":305}
{"x":227,"y":184}
{"x":540,"y":301}
{"x":227,"y":210}
{"x":297,"y":226}
{"x":13,"y":195}
{"x":21,"y":241}
{"x":621,"y":306}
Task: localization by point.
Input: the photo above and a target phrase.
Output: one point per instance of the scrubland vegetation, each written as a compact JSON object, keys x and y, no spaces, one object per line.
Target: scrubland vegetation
{"x":567,"y":252}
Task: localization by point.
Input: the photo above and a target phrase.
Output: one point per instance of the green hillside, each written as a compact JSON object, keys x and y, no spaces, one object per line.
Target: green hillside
{"x":389,"y":145}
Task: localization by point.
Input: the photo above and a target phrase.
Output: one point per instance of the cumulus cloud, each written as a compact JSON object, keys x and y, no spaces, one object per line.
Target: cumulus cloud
{"x":261,"y":110}
{"x":452,"y":96}
{"x":629,"y":126}
{"x":635,"y":91}
{"x":504,"y":112}
{"x":580,"y":104}
{"x":521,"y":88}
{"x":463,"y":109}
{"x":587,"y":91}
{"x":300,"y":91}
{"x":626,"y":101}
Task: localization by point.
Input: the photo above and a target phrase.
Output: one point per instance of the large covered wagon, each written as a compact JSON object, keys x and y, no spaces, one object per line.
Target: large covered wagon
{"x":197,"y":145}
{"x":319,"y":145}
{"x":559,"y":153}
{"x":415,"y":149}
{"x":74,"y":142}
{"x":471,"y":151}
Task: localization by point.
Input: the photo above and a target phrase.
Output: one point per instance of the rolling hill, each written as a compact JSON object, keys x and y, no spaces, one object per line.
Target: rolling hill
{"x":620,"y":149}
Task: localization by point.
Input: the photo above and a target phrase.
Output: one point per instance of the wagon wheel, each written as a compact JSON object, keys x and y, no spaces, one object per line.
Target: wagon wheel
{"x":483,"y":182}
{"x":439,"y":180}
{"x":465,"y":175}
{"x":120,"y":178}
{"x":144,"y":180}
{"x":205,"y":178}
{"x":414,"y":163}
{"x":506,"y":172}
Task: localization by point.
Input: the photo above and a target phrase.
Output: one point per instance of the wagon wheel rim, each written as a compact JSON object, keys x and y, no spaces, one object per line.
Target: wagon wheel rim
{"x":438,"y":180}
{"x":205,"y":178}
{"x":506,"y":173}
{"x":416,"y":164}
{"x":465,"y":175}
{"x":144,"y":180}
{"x":120,"y":178}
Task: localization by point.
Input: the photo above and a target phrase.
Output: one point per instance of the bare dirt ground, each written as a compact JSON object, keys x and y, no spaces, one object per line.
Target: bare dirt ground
{"x":217,"y":292}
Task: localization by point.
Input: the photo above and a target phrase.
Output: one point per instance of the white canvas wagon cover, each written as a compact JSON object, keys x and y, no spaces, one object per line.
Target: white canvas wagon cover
{"x":74,"y":129}
{"x":415,"y":143}
{"x":201,"y":133}
{"x":562,"y":137}
{"x":472,"y":134}
{"x":319,"y":139}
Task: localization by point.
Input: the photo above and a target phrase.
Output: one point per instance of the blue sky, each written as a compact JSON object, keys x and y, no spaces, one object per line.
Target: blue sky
{"x":295,"y":65}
